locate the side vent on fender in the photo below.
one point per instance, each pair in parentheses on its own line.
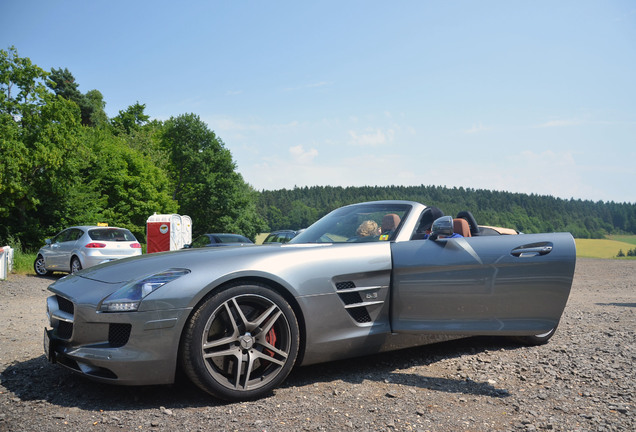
(358,300)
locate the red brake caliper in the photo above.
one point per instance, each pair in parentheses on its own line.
(270,337)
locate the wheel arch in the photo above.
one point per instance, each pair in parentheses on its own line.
(76,254)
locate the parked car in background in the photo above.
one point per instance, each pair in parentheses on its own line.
(281,236)
(215,240)
(80,247)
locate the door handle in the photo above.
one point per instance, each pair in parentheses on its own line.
(532,250)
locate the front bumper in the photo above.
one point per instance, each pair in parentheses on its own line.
(132,348)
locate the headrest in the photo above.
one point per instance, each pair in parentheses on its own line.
(428,217)
(460,226)
(390,222)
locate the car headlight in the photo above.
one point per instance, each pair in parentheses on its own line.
(128,297)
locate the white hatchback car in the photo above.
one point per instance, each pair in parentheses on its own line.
(80,247)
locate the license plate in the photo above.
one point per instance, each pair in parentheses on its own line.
(48,352)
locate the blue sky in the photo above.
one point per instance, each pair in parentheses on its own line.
(531,97)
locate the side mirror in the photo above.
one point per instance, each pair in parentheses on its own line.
(47,241)
(442,227)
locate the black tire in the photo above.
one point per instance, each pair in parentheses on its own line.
(241,342)
(39,267)
(76,265)
(539,339)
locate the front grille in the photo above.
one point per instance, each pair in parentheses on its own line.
(65,305)
(118,334)
(65,330)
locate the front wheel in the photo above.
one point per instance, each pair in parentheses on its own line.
(241,342)
(39,267)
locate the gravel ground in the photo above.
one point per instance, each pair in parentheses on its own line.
(583,380)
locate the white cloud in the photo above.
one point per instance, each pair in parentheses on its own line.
(302,156)
(373,138)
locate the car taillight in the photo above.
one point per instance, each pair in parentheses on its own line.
(135,246)
(95,245)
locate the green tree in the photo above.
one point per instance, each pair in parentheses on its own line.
(301,215)
(147,142)
(63,84)
(131,119)
(204,179)
(130,187)
(22,84)
(91,104)
(38,147)
(92,108)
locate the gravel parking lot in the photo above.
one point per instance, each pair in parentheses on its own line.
(583,380)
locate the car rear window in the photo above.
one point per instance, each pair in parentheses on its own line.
(232,239)
(111,234)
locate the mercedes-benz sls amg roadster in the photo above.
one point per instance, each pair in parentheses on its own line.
(363,279)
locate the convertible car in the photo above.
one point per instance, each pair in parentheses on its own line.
(365,278)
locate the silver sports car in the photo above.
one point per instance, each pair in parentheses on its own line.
(365,278)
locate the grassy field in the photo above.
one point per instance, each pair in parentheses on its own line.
(260,237)
(604,248)
(631,239)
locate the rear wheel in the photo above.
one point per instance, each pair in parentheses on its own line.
(76,265)
(241,343)
(39,267)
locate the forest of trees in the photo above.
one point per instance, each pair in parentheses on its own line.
(64,162)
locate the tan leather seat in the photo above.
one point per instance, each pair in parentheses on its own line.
(461,227)
(390,222)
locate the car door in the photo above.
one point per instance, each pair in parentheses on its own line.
(53,255)
(62,247)
(508,284)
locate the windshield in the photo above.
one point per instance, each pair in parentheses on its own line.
(357,223)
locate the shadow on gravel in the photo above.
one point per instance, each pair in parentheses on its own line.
(382,367)
(37,380)
(617,304)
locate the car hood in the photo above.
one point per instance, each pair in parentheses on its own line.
(285,264)
(93,283)
(120,271)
